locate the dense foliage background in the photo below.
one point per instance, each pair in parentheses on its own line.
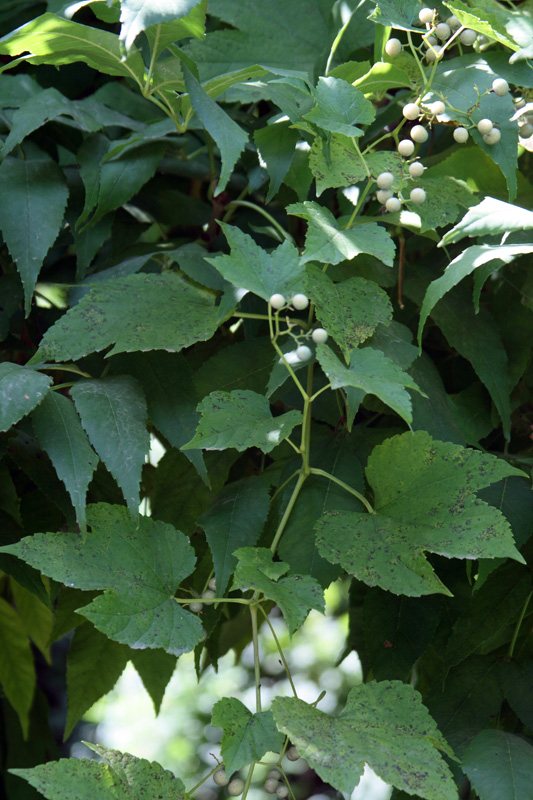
(292,243)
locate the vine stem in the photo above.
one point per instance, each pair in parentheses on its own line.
(201,783)
(360,202)
(257,665)
(362,498)
(417,59)
(290,505)
(280,650)
(519,625)
(247,204)
(184,601)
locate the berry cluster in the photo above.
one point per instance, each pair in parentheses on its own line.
(300,302)
(275,783)
(196,606)
(385,182)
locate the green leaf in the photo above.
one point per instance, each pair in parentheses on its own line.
(184,313)
(155,668)
(161,36)
(427,492)
(229,137)
(120,776)
(382,77)
(339,106)
(351,310)
(517,681)
(35,614)
(295,595)
(276,146)
(397,14)
(499,764)
(139,612)
(61,435)
(240,419)
(464,264)
(17,673)
(487,218)
(328,243)
(482,21)
(98,49)
(242,365)
(235,520)
(338,164)
(113,412)
(137,15)
(247,737)
(446,199)
(374,373)
(94,665)
(32,219)
(384,725)
(250,267)
(21,390)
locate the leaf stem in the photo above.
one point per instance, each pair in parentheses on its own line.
(257,664)
(148,80)
(284,484)
(336,42)
(519,625)
(358,151)
(266,215)
(280,650)
(63,368)
(290,505)
(417,59)
(201,783)
(360,202)
(186,600)
(362,498)
(291,372)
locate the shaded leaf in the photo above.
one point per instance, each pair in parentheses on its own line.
(339,106)
(139,565)
(155,668)
(499,764)
(517,682)
(276,145)
(21,390)
(137,15)
(17,673)
(247,737)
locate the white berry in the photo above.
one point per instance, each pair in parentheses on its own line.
(271,784)
(468,36)
(493,137)
(525,131)
(500,87)
(385,180)
(411,111)
(300,301)
(416,169)
(277,301)
(213,584)
(383,195)
(461,135)
(453,22)
(419,134)
(431,40)
(220,777)
(393,47)
(406,148)
(442,31)
(393,204)
(485,126)
(319,335)
(433,54)
(417,196)
(437,107)
(274,773)
(195,607)
(426,15)
(304,352)
(208,595)
(236,787)
(293,754)
(282,792)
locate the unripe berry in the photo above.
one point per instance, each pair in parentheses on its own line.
(274,773)
(406,148)
(304,352)
(277,301)
(293,754)
(431,40)
(282,792)
(460,135)
(299,302)
(417,196)
(411,111)
(525,131)
(195,607)
(383,195)
(220,777)
(385,180)
(442,31)
(500,87)
(433,54)
(271,784)
(236,787)
(393,47)
(213,584)
(453,22)
(208,595)
(419,134)
(493,137)
(393,204)
(468,37)
(485,126)
(319,335)
(426,15)
(437,107)
(416,169)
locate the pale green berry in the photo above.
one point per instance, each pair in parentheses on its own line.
(411,111)
(526,131)
(208,595)
(485,126)
(461,135)
(383,195)
(319,336)
(442,31)
(433,54)
(426,15)
(271,784)
(468,37)
(220,777)
(437,107)
(500,87)
(453,22)
(213,584)
(393,48)
(416,169)
(195,607)
(277,301)
(282,792)
(393,204)
(274,773)
(419,134)
(417,196)
(385,180)
(493,137)
(304,352)
(236,787)
(299,302)
(293,754)
(431,40)
(406,148)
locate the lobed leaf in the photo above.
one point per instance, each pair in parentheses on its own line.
(247,737)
